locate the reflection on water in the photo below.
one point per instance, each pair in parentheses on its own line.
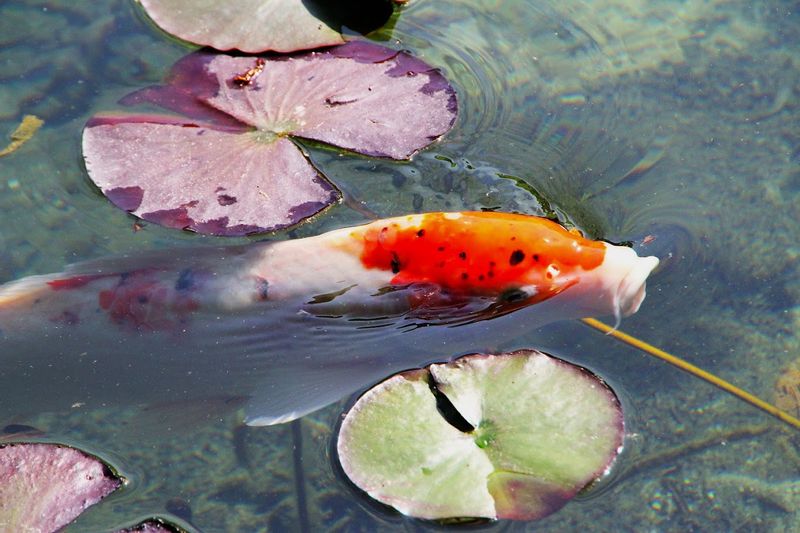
(669,124)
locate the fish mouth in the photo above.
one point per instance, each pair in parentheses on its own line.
(623,275)
(632,288)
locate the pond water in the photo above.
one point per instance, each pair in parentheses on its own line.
(670,124)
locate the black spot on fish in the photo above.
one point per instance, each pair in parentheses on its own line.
(463,255)
(464,275)
(480,277)
(67,317)
(516,258)
(536,257)
(395,263)
(421,233)
(185,280)
(441,248)
(262,288)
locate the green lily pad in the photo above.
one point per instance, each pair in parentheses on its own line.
(542,430)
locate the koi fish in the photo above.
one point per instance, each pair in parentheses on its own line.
(295,325)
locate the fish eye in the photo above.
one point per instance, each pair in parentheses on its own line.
(513,295)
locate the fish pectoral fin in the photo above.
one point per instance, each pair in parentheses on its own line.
(296,390)
(460,311)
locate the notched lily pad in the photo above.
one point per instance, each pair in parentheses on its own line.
(542,430)
(44,487)
(260,25)
(228,166)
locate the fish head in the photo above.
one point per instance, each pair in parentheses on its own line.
(577,277)
(513,259)
(617,286)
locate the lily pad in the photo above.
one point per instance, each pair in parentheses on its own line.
(44,487)
(257,25)
(228,166)
(487,436)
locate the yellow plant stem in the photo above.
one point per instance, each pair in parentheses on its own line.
(694,370)
(29,125)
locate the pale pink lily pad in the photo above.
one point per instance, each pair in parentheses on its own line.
(229,167)
(44,487)
(203,179)
(246,25)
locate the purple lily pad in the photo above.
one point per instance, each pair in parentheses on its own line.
(229,168)
(202,178)
(44,487)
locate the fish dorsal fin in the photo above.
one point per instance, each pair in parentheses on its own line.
(167,259)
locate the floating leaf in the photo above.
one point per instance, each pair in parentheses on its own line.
(43,487)
(541,430)
(27,128)
(228,167)
(203,179)
(261,25)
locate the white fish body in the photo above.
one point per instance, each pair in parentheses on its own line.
(295,325)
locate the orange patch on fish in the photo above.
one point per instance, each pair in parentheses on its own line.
(476,252)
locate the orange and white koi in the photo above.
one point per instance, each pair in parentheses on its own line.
(294,325)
